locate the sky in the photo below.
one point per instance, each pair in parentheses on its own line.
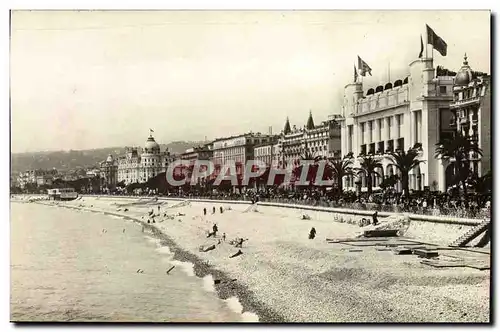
(92,79)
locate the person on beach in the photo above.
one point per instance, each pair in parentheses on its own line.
(239,243)
(158,209)
(215,229)
(224,237)
(312,233)
(213,210)
(236,254)
(154,220)
(375,219)
(204,211)
(221,210)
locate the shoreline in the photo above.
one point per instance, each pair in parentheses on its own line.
(201,269)
(311,281)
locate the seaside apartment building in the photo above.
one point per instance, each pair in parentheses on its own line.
(321,140)
(37,176)
(108,171)
(398,115)
(239,149)
(268,152)
(203,152)
(471,114)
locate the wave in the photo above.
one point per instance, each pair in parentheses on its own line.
(153,240)
(164,250)
(208,283)
(187,267)
(234,304)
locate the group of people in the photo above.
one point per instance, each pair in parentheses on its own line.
(473,205)
(221,209)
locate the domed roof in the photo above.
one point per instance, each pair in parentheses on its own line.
(464,75)
(110,159)
(151,144)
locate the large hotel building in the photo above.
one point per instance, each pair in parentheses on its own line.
(414,109)
(140,167)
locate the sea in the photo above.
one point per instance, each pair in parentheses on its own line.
(75,266)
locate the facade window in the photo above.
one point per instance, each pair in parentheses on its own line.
(442,89)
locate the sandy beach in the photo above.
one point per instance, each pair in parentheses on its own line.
(284,276)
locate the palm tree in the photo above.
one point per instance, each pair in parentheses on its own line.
(405,162)
(389,182)
(457,150)
(311,174)
(484,183)
(340,168)
(368,167)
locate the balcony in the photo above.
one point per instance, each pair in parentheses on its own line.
(463,120)
(464,102)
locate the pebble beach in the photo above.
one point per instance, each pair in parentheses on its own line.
(283,276)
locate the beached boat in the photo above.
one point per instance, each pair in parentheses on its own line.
(62,194)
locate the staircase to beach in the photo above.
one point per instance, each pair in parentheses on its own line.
(471,234)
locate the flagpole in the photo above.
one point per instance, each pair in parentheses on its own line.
(426,42)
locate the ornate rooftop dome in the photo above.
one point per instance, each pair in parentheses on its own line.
(464,75)
(151,145)
(110,159)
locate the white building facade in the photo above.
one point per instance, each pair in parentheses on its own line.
(139,168)
(398,116)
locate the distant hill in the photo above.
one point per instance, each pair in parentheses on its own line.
(74,159)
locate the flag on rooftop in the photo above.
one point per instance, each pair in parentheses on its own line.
(421,47)
(437,42)
(363,67)
(355,74)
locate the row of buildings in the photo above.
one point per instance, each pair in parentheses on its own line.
(47,177)
(37,177)
(424,107)
(138,165)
